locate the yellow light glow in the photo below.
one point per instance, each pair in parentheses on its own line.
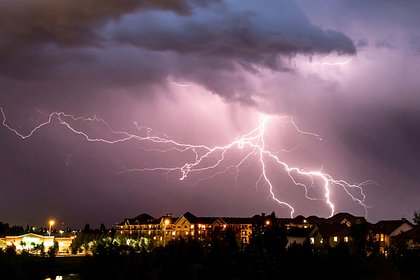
(267,222)
(51,222)
(167,222)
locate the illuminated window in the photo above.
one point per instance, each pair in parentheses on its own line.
(321,241)
(312,240)
(192,226)
(173,233)
(346,239)
(382,237)
(335,238)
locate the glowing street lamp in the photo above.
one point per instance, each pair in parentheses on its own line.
(166,223)
(50,223)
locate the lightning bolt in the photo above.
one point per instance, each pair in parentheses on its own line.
(205,158)
(337,62)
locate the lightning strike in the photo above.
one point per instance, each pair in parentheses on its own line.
(211,159)
(337,62)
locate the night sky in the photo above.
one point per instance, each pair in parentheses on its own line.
(203,72)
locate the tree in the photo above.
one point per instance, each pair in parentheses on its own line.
(416,218)
(53,250)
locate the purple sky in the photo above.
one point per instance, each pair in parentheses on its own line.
(202,72)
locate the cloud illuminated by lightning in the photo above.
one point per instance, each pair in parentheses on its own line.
(337,62)
(211,159)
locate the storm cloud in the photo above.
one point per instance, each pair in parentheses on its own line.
(202,72)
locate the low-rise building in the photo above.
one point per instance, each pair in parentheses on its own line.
(384,231)
(31,241)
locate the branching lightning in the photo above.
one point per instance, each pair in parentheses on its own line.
(211,159)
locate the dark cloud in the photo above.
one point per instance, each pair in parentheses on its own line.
(66,23)
(204,44)
(117,59)
(247,36)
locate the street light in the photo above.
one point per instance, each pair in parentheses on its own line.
(50,223)
(166,222)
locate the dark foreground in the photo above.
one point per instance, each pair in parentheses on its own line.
(219,259)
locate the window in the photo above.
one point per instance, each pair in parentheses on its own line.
(382,237)
(346,239)
(321,241)
(312,240)
(335,238)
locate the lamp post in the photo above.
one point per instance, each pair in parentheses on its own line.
(165,223)
(50,223)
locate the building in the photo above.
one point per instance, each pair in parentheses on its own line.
(301,235)
(32,241)
(384,231)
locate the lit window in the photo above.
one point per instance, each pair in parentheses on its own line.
(173,233)
(335,238)
(267,222)
(346,239)
(304,221)
(312,240)
(192,226)
(382,237)
(321,241)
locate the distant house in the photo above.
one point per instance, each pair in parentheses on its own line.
(191,225)
(300,235)
(145,225)
(384,231)
(3,244)
(30,240)
(346,218)
(241,226)
(333,234)
(411,237)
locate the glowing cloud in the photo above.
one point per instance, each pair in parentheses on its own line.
(211,159)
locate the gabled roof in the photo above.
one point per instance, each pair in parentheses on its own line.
(316,220)
(300,232)
(237,221)
(388,226)
(339,217)
(298,220)
(412,234)
(327,230)
(199,220)
(190,217)
(140,219)
(30,234)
